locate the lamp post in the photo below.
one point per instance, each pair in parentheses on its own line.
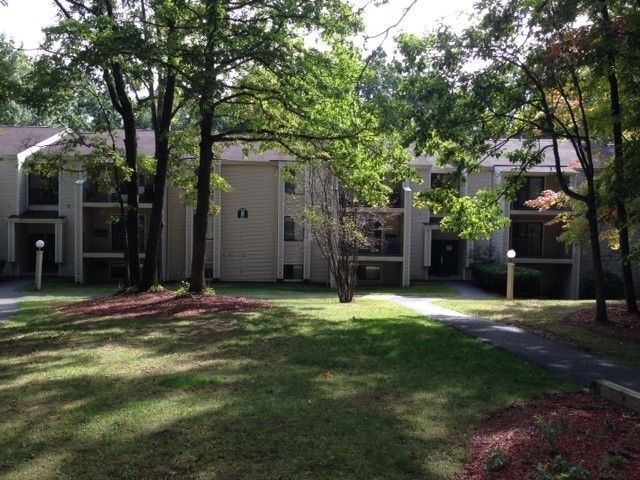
(511,270)
(38,280)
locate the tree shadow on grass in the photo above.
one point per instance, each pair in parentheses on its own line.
(282,394)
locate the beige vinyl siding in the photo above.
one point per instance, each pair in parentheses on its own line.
(248,250)
(319,270)
(176,224)
(66,199)
(478,180)
(8,182)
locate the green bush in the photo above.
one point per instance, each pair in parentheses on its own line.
(493,277)
(613,286)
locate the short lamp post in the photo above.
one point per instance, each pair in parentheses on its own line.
(511,271)
(38,280)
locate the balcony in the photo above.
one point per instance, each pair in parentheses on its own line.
(93,195)
(534,240)
(389,246)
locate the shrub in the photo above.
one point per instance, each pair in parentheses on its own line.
(493,277)
(183,290)
(496,460)
(613,286)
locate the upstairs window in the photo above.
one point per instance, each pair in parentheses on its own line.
(43,190)
(532,188)
(293,232)
(526,239)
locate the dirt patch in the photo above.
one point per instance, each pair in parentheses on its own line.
(582,436)
(623,326)
(144,305)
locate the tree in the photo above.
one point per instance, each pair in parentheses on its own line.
(243,62)
(528,84)
(133,50)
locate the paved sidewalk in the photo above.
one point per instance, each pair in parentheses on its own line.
(9,298)
(566,361)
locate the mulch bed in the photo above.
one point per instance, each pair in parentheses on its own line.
(165,304)
(623,326)
(557,432)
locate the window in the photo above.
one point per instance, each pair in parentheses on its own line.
(293,272)
(369,273)
(526,239)
(531,188)
(292,232)
(43,190)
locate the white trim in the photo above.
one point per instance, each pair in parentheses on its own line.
(35,220)
(112,205)
(106,255)
(406,236)
(426,256)
(378,258)
(78,231)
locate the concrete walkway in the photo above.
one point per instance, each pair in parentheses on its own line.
(9,298)
(554,355)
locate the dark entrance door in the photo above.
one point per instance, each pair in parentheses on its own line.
(48,256)
(444,258)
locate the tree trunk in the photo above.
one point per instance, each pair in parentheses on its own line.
(598,274)
(618,160)
(201,215)
(154,238)
(131,189)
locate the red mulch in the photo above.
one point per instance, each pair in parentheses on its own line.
(579,427)
(165,304)
(623,326)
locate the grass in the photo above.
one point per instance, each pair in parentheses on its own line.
(265,290)
(547,317)
(311,389)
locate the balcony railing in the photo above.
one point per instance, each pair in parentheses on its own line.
(388,246)
(94,195)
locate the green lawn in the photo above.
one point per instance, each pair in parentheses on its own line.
(547,317)
(267,290)
(311,389)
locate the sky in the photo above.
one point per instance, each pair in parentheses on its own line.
(22,20)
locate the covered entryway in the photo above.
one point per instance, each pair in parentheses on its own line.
(22,233)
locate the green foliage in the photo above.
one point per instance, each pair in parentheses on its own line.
(493,277)
(183,290)
(157,288)
(613,286)
(496,460)
(472,218)
(561,469)
(546,428)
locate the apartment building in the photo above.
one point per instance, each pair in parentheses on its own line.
(258,236)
